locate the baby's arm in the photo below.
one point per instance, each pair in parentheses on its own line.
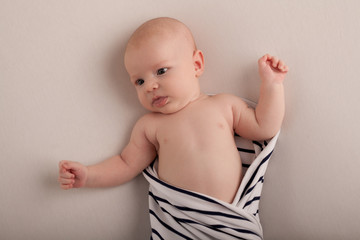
(136,156)
(265,121)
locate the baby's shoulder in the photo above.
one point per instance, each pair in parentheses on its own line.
(225,98)
(147,126)
(222,95)
(149,119)
(230,101)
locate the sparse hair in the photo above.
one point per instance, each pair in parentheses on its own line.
(162,26)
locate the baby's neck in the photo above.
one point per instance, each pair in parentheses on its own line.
(201,96)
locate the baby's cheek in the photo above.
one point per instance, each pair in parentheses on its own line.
(146,104)
(141,99)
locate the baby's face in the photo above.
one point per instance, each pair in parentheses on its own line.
(164,73)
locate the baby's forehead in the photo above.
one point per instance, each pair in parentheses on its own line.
(162,29)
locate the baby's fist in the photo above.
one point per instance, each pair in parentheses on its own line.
(272,69)
(72,175)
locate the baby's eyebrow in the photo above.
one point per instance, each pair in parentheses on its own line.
(160,64)
(134,77)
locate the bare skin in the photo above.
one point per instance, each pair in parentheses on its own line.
(191,133)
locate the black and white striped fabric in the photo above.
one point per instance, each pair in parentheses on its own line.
(177,213)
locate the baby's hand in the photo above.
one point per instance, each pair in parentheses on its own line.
(271,69)
(72,174)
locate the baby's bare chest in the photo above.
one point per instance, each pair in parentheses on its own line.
(196,126)
(194,146)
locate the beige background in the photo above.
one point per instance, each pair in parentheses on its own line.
(58,101)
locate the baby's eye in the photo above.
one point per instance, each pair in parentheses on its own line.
(161,71)
(139,82)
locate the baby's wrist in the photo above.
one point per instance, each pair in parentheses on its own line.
(272,86)
(86,177)
(271,81)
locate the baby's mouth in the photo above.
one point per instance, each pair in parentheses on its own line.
(159,101)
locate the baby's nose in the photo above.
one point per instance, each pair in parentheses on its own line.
(152,85)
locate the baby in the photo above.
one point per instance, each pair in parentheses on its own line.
(191,133)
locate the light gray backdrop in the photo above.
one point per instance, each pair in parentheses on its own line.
(59,100)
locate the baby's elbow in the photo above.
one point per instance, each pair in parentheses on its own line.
(269,128)
(270,133)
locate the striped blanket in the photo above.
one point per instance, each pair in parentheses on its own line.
(177,213)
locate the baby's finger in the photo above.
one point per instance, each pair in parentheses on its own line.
(66,186)
(262,62)
(66,180)
(284,68)
(275,62)
(281,66)
(263,59)
(266,57)
(62,165)
(66,174)
(71,166)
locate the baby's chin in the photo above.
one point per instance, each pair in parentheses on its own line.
(167,109)
(164,111)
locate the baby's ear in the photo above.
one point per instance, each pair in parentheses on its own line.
(198,59)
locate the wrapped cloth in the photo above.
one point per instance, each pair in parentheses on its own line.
(177,213)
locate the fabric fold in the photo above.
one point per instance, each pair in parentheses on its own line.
(177,213)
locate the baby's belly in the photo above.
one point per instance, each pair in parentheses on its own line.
(215,172)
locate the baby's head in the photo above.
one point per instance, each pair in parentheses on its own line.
(164,65)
